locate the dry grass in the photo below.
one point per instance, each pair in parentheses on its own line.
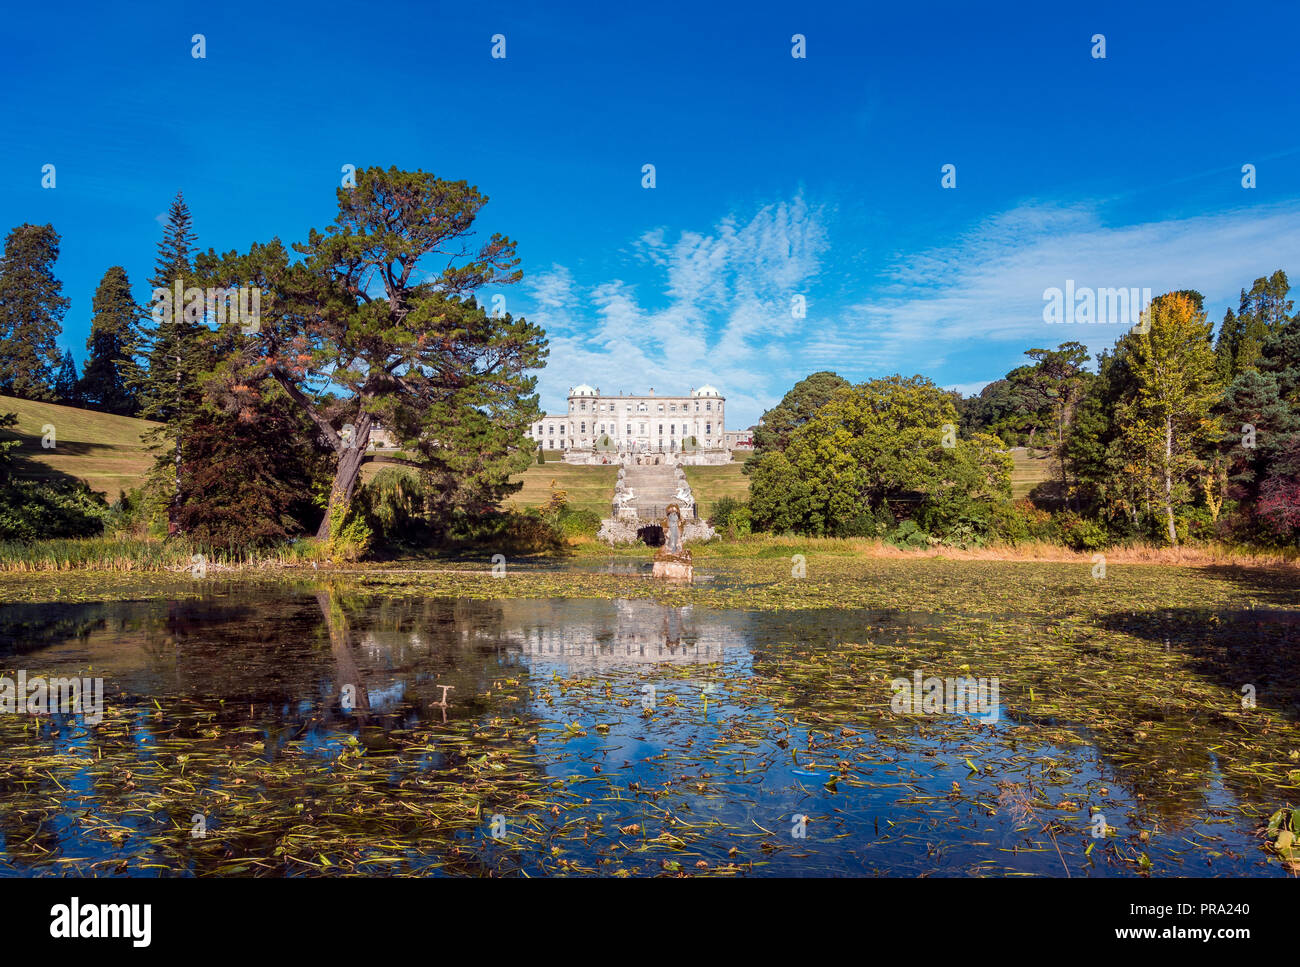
(1195,556)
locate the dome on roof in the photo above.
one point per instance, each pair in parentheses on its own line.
(582,390)
(706,391)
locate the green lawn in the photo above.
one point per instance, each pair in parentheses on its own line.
(1031,468)
(588,488)
(105,451)
(711,484)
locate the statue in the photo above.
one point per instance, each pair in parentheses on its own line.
(673,560)
(674,535)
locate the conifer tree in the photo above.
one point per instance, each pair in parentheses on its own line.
(31,312)
(170,390)
(111,378)
(66,389)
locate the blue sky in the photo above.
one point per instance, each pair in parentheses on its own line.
(775,176)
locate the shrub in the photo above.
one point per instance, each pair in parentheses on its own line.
(31,511)
(350,536)
(1195,524)
(1079,533)
(732,517)
(579,523)
(1019,522)
(908,534)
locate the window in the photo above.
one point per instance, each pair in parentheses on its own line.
(708,427)
(551,431)
(672,427)
(661,407)
(661,429)
(629,429)
(584,426)
(709,406)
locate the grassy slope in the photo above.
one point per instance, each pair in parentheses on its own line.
(589,488)
(592,488)
(711,484)
(1031,468)
(108,453)
(105,451)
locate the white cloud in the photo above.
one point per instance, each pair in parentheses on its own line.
(988,287)
(725,299)
(719,309)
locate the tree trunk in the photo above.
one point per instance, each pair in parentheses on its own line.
(351,453)
(174,509)
(1169,481)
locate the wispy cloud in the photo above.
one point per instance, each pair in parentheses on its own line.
(722,302)
(716,308)
(939,307)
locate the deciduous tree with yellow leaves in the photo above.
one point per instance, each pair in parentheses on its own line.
(1167,420)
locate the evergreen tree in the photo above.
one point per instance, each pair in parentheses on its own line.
(66,389)
(170,381)
(1262,311)
(111,379)
(170,390)
(251,464)
(1258,425)
(31,312)
(1225,350)
(423,358)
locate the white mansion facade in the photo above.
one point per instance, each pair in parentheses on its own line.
(635,424)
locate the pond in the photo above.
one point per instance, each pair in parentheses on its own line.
(330,729)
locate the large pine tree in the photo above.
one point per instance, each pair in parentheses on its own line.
(171,390)
(31,312)
(172,338)
(111,378)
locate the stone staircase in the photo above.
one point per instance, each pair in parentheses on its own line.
(654,489)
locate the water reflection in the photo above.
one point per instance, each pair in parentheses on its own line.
(584,637)
(707,725)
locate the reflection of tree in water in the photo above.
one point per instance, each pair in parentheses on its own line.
(236,680)
(25,628)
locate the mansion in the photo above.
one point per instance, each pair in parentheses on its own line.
(635,424)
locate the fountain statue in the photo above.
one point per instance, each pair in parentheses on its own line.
(673,560)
